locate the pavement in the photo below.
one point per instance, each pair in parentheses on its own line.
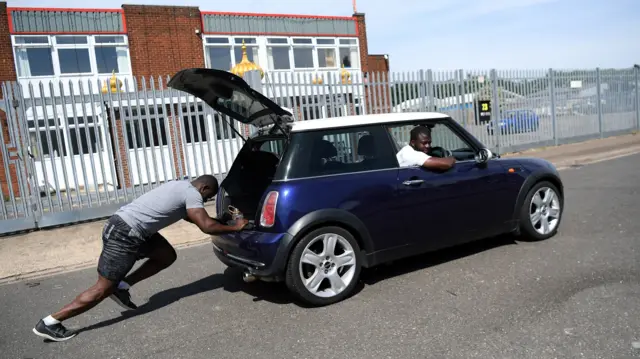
(576,295)
(59,250)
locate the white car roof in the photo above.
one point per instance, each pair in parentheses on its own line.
(360,120)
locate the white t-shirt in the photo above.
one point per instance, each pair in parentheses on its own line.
(408,157)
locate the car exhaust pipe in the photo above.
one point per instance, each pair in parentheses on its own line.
(248,277)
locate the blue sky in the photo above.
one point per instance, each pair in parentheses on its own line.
(468,34)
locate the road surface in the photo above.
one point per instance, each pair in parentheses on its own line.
(576,295)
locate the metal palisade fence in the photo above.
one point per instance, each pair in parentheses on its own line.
(78,150)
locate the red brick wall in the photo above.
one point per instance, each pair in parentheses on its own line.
(162,39)
(7,73)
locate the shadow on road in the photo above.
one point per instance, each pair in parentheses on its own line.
(231,280)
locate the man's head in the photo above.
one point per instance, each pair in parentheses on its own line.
(207,185)
(421,139)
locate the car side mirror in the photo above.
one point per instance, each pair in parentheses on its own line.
(483,156)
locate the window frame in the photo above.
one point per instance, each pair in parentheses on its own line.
(53,46)
(473,143)
(375,129)
(287,45)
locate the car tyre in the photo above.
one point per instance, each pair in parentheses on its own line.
(297,268)
(534,214)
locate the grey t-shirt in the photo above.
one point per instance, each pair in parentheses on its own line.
(161,207)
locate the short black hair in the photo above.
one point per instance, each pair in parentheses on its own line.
(208,180)
(420,130)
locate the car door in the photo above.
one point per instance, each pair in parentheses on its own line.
(454,206)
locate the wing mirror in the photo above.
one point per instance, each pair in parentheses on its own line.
(483,156)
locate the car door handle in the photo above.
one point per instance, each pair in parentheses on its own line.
(413,182)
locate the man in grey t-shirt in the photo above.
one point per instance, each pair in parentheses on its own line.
(132,234)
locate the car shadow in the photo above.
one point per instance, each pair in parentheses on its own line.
(431,259)
(277,293)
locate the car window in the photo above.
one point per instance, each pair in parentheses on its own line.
(442,136)
(337,151)
(275,146)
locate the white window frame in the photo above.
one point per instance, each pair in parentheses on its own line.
(54,46)
(15,46)
(124,44)
(311,45)
(336,53)
(57,47)
(263,45)
(206,46)
(249,46)
(286,45)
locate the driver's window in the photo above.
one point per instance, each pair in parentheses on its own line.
(442,138)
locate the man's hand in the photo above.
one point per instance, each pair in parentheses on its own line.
(200,218)
(240,224)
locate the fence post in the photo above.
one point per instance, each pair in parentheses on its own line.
(599,99)
(421,90)
(552,94)
(495,108)
(430,91)
(637,74)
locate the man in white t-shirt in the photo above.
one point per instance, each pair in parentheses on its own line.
(415,153)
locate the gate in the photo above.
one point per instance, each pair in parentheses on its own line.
(19,210)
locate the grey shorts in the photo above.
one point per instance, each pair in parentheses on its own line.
(122,246)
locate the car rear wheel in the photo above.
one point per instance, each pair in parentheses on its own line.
(324,266)
(541,212)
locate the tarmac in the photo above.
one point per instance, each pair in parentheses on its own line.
(52,251)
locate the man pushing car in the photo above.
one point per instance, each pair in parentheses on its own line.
(132,234)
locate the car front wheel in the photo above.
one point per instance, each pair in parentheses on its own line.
(324,266)
(541,212)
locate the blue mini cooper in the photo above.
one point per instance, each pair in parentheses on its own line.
(327,197)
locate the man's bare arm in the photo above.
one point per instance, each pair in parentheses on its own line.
(436,163)
(200,218)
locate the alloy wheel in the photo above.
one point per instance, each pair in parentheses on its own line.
(544,210)
(327,265)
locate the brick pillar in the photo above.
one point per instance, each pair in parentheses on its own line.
(117,127)
(162,39)
(7,73)
(361,27)
(177,148)
(379,67)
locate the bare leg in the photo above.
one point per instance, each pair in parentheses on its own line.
(87,299)
(161,256)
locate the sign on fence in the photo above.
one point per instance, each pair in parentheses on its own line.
(484,111)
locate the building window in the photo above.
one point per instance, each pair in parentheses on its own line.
(218,52)
(278,54)
(326,51)
(33,56)
(303,53)
(85,135)
(349,54)
(111,54)
(54,55)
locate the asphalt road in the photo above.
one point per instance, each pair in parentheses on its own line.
(576,295)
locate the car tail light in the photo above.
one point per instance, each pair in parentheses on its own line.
(268,215)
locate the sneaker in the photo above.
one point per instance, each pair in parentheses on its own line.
(123,298)
(55,332)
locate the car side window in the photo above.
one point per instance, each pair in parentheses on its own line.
(340,151)
(442,138)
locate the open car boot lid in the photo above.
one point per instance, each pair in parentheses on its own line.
(231,95)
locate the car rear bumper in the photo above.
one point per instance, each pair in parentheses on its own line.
(260,253)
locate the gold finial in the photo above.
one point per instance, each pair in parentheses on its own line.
(114,84)
(245,65)
(345,75)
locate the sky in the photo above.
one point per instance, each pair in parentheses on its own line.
(461,34)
